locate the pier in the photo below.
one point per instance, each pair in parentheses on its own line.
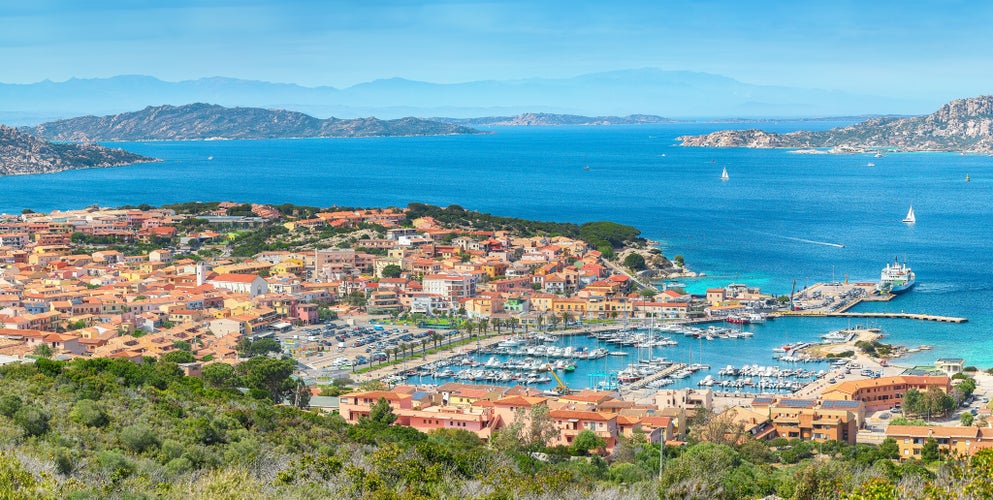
(669,370)
(884,315)
(835,300)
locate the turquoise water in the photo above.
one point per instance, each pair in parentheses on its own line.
(771,223)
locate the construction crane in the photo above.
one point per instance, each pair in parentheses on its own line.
(792,307)
(561,388)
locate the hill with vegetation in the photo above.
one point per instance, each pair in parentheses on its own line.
(963,125)
(601,235)
(22,154)
(113,428)
(200,121)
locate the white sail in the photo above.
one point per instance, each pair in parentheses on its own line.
(724,174)
(910,218)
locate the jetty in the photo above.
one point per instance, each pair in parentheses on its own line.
(836,300)
(882,315)
(669,370)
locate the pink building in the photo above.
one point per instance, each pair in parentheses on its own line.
(473,419)
(354,405)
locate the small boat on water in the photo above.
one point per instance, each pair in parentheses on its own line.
(910,218)
(724,174)
(617,353)
(870,164)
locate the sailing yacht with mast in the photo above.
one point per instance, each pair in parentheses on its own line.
(910,218)
(724,174)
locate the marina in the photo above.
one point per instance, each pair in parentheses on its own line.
(676,356)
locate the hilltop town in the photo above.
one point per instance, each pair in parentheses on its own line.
(134,282)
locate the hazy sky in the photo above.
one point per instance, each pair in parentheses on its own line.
(891,48)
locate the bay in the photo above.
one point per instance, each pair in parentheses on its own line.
(780,217)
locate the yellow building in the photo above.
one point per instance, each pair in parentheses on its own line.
(288,266)
(810,420)
(963,441)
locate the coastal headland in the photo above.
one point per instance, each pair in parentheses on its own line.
(962,125)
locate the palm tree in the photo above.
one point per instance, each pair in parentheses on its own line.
(554,320)
(540,320)
(498,324)
(513,323)
(566,318)
(424,347)
(436,338)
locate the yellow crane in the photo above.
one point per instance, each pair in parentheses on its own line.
(561,388)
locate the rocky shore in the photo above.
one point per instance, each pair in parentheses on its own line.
(963,125)
(23,154)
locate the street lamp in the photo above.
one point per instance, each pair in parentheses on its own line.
(661,452)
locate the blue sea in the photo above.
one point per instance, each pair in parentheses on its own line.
(780,217)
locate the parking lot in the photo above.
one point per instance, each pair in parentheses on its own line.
(334,349)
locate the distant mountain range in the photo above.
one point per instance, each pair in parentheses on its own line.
(681,94)
(21,154)
(208,121)
(964,125)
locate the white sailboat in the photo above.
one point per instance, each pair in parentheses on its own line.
(724,174)
(910,218)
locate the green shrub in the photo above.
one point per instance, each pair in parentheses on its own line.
(33,420)
(138,438)
(89,413)
(115,463)
(9,404)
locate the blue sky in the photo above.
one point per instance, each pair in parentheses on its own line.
(889,48)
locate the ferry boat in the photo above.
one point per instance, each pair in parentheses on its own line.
(896,278)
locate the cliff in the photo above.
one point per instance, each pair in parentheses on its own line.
(964,125)
(21,154)
(206,121)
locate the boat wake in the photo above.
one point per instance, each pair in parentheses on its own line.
(802,240)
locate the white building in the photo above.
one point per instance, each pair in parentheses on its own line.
(450,286)
(251,284)
(428,303)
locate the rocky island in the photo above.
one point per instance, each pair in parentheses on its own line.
(22,154)
(199,121)
(962,125)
